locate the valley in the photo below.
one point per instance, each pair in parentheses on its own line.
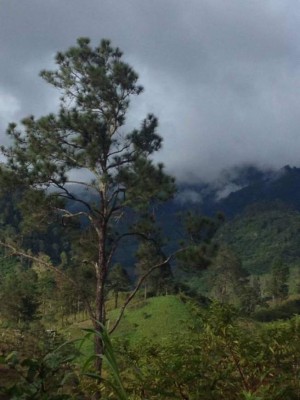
(200,310)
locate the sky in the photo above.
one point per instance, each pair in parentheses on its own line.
(223,77)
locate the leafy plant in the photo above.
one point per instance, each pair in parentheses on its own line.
(114,382)
(50,377)
(227,358)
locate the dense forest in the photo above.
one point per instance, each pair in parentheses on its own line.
(111,285)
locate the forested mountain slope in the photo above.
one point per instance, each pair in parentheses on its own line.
(242,187)
(263,232)
(284,185)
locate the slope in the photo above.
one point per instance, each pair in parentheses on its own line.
(263,232)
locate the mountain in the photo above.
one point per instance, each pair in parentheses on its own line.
(241,187)
(234,191)
(260,206)
(263,232)
(283,185)
(262,212)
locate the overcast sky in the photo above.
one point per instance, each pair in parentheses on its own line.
(222,76)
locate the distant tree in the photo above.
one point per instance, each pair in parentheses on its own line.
(229,280)
(278,284)
(47,287)
(150,252)
(19,297)
(118,281)
(161,280)
(88,135)
(297,288)
(250,296)
(199,232)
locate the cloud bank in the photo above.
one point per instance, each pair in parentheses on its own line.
(223,77)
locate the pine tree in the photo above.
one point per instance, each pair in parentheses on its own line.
(278,284)
(86,145)
(150,252)
(118,281)
(230,280)
(198,243)
(19,297)
(160,281)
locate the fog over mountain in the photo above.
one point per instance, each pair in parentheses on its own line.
(223,77)
(243,188)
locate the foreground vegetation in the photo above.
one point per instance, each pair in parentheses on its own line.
(212,353)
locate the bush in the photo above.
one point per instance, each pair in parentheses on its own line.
(45,375)
(284,311)
(228,359)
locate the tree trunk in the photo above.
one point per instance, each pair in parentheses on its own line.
(116,298)
(98,363)
(101,273)
(98,326)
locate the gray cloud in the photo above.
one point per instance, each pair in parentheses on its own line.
(189,196)
(223,77)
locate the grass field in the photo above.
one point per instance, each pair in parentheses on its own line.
(154,319)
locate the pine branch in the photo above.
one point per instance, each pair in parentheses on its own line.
(71,196)
(128,234)
(69,214)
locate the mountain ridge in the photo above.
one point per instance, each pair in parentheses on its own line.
(251,185)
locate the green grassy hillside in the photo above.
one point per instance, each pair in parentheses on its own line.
(153,319)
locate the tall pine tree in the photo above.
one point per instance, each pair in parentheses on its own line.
(85,145)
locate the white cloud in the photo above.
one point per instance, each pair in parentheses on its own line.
(9,108)
(189,196)
(226,190)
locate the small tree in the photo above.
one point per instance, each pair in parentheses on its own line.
(199,231)
(87,138)
(118,281)
(19,297)
(160,281)
(150,252)
(230,280)
(278,284)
